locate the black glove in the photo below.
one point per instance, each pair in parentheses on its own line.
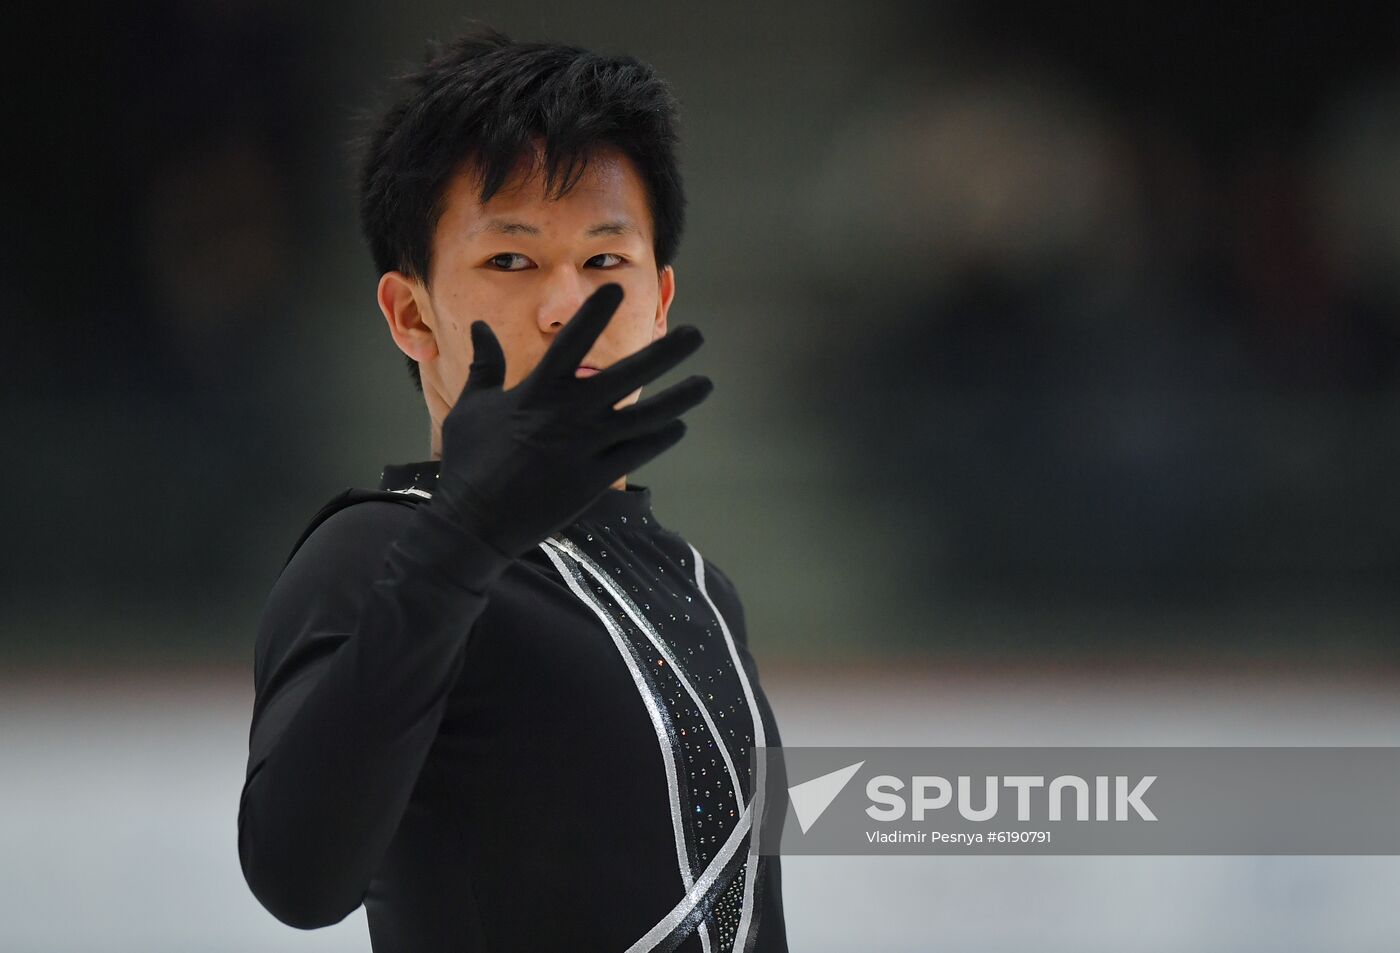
(518,465)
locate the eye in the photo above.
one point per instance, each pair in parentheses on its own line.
(510,261)
(616,259)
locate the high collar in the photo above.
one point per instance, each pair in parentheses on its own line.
(631,504)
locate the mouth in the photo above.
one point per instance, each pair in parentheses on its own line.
(585,370)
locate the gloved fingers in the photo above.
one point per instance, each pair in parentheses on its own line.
(488,367)
(616,381)
(622,458)
(570,345)
(649,414)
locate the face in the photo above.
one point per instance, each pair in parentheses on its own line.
(523,263)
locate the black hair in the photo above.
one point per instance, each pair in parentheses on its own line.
(483,99)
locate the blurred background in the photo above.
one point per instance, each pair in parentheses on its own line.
(1057,364)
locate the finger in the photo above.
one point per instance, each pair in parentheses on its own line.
(572,343)
(647,415)
(618,380)
(623,458)
(488,367)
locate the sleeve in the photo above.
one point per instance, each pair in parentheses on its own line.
(359,644)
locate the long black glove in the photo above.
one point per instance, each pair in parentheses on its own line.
(520,464)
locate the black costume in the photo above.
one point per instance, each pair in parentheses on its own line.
(555,760)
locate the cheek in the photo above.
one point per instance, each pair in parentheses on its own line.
(632,330)
(522,346)
(639,315)
(454,345)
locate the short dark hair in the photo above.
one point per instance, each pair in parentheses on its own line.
(483,99)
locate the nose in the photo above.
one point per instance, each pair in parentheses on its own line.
(565,290)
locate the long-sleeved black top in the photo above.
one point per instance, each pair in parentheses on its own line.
(540,754)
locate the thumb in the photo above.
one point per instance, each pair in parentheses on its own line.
(488,368)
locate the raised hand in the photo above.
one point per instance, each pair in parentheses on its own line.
(520,464)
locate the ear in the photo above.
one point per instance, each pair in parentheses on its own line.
(666,293)
(404,302)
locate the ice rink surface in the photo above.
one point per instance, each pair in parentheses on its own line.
(119,802)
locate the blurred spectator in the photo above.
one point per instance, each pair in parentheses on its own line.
(1104,351)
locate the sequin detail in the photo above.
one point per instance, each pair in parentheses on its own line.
(709,756)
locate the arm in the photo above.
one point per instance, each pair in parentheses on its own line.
(361,644)
(361,640)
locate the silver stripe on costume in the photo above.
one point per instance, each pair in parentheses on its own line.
(746,919)
(698,892)
(643,623)
(663,736)
(415,491)
(564,545)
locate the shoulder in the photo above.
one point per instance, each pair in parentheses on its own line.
(715,577)
(715,583)
(340,550)
(356,517)
(707,574)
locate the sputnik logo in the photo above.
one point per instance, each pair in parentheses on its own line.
(810,799)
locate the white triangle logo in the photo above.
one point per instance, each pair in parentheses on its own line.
(811,798)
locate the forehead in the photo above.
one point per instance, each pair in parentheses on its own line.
(609,191)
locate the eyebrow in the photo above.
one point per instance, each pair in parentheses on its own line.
(504,227)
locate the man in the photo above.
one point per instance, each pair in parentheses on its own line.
(498,703)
